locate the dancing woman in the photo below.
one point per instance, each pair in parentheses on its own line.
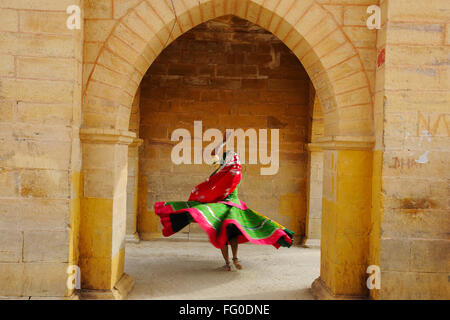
(215,206)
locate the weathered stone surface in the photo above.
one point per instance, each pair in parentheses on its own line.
(11,241)
(45,279)
(413,285)
(391,83)
(414,228)
(45,246)
(12,279)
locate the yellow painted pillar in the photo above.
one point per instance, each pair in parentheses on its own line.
(346,210)
(314,211)
(132,190)
(103,207)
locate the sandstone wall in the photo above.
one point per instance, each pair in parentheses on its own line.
(413,94)
(40,110)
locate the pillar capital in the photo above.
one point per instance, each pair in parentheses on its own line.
(342,143)
(107,136)
(136,142)
(314,147)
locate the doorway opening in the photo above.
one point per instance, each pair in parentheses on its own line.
(227,73)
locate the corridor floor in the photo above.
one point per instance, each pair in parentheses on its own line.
(167,269)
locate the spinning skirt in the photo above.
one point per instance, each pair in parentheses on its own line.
(222,221)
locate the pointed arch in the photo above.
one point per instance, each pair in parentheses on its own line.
(309,30)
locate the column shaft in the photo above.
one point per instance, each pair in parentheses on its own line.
(103,207)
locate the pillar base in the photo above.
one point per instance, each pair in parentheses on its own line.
(312,243)
(120,291)
(132,238)
(320,291)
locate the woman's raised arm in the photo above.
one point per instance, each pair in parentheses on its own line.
(222,144)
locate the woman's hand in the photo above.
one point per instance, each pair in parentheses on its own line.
(225,139)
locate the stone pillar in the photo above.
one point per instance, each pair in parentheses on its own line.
(103,208)
(132,190)
(346,209)
(314,210)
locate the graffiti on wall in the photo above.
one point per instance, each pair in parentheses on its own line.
(433,124)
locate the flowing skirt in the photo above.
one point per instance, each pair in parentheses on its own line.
(217,218)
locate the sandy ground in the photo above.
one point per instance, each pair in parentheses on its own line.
(165,269)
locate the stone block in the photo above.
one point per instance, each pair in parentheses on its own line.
(51,113)
(98,30)
(12,279)
(99,9)
(314,228)
(337,11)
(45,279)
(44,22)
(43,214)
(361,37)
(9,183)
(7,65)
(45,68)
(44,184)
(46,246)
(430,255)
(404,10)
(37,90)
(415,33)
(355,15)
(7,109)
(37,4)
(11,250)
(36,44)
(9,19)
(413,77)
(395,254)
(413,285)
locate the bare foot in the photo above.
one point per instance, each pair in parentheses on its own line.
(237,264)
(227,267)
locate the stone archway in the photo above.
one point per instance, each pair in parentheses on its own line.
(310,31)
(342,86)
